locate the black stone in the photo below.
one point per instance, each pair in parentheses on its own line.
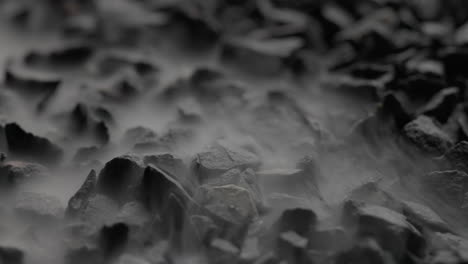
(113,239)
(9,255)
(30,147)
(119,176)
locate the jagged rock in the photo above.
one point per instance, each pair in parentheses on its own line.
(427,136)
(80,200)
(421,215)
(246,179)
(457,156)
(449,186)
(442,105)
(27,146)
(119,176)
(9,255)
(389,228)
(157,187)
(13,173)
(221,158)
(38,207)
(231,203)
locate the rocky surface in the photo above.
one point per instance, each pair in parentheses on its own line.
(244,132)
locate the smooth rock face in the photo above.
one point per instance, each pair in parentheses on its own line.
(119,175)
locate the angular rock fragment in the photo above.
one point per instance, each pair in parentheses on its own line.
(449,186)
(27,146)
(457,156)
(38,207)
(156,188)
(421,215)
(246,179)
(231,203)
(221,158)
(120,176)
(427,136)
(79,201)
(389,228)
(173,166)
